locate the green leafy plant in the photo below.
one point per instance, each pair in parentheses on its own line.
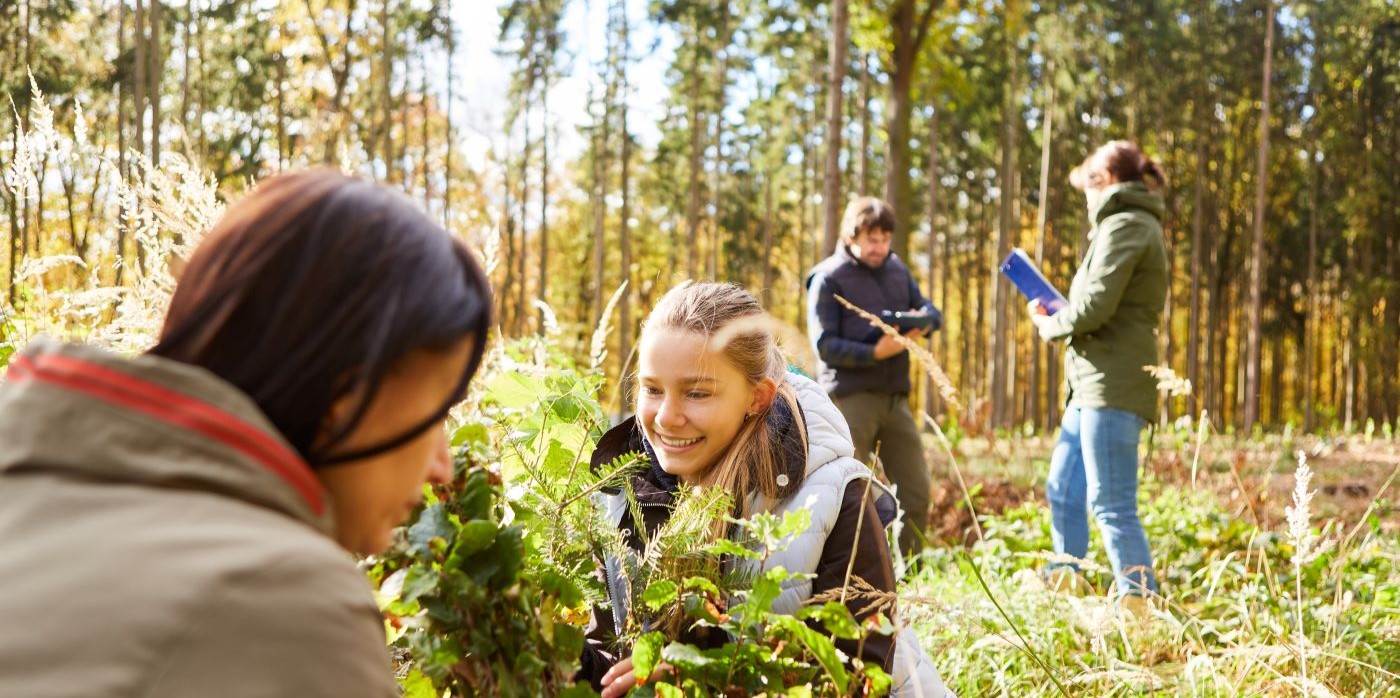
(459,596)
(766,653)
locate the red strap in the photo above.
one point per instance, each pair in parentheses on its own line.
(174,408)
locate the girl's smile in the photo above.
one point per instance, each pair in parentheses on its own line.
(693,401)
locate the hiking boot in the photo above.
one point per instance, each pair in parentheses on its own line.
(1134,607)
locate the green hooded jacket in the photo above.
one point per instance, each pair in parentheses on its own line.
(1115,305)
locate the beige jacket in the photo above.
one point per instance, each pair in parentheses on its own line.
(159,538)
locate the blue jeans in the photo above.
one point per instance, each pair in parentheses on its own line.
(1095,467)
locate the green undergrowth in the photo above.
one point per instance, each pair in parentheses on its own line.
(1227,623)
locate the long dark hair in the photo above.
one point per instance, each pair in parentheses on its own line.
(310,289)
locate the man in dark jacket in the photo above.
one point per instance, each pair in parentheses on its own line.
(865,371)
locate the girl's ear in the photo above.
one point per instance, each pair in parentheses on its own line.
(763,393)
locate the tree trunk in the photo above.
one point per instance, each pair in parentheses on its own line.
(1002,336)
(201,92)
(910,30)
(139,78)
(425,134)
(521,258)
(1041,214)
(1256,270)
(377,145)
(717,175)
(625,225)
(16,241)
(449,136)
(1311,321)
(804,232)
(932,403)
(282,149)
(122,171)
(544,192)
(399,151)
(1193,320)
(157,72)
(836,76)
(340,75)
(185,74)
(600,188)
(864,182)
(897,153)
(692,208)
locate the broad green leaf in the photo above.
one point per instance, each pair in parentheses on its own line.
(420,581)
(417,685)
(474,537)
(659,594)
(561,587)
(434,522)
(724,546)
(819,645)
(578,690)
(471,432)
(646,653)
(510,551)
(793,523)
(833,616)
(391,588)
(880,682)
(700,584)
(514,389)
(698,608)
(666,690)
(566,408)
(684,656)
(571,437)
(559,461)
(765,591)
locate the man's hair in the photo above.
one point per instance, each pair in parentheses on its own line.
(866,213)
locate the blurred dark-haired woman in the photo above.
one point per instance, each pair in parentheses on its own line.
(179,523)
(1110,326)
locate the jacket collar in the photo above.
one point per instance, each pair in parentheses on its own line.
(1126,196)
(843,251)
(151,421)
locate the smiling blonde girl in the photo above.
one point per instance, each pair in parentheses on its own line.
(716,408)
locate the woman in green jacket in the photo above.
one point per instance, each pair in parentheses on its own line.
(1110,328)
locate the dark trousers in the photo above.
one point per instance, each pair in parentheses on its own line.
(885,419)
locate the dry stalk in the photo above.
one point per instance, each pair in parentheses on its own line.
(957,472)
(598,347)
(924,356)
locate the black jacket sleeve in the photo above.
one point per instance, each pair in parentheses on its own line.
(873,563)
(599,653)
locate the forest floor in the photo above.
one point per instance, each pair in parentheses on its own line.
(1253,479)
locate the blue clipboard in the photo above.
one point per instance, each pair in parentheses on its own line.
(1019,268)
